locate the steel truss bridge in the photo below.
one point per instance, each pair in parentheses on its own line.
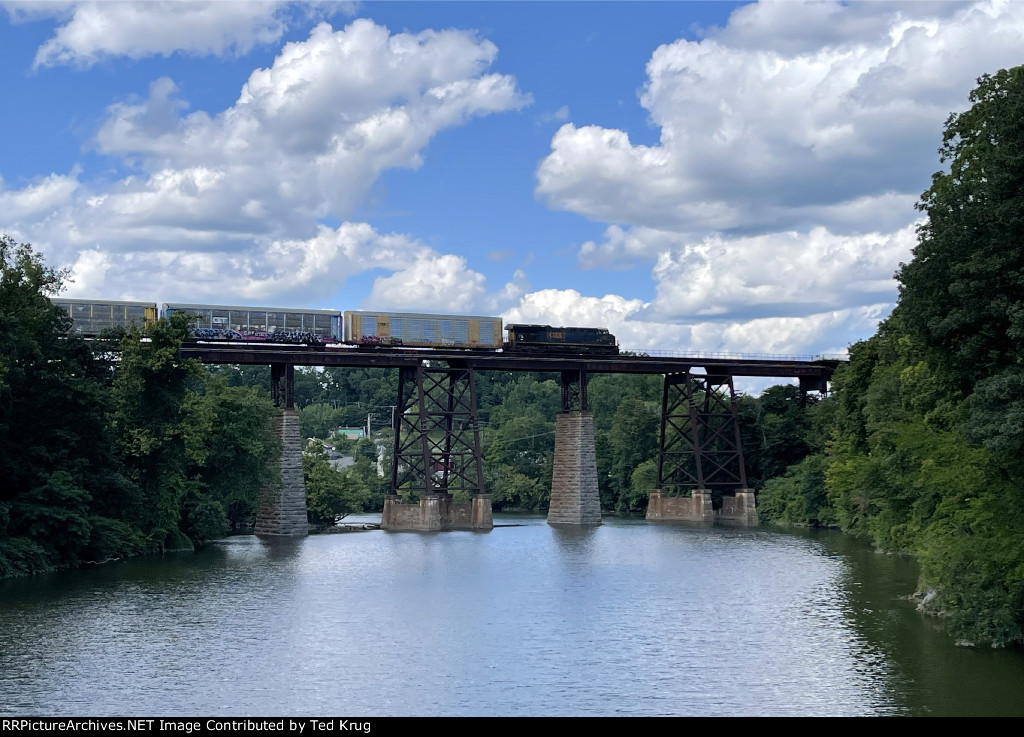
(437,443)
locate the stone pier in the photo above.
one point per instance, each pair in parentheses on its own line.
(574,494)
(437,512)
(283,503)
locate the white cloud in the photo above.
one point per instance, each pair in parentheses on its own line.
(828,332)
(233,198)
(442,283)
(779,199)
(624,247)
(432,283)
(293,272)
(94,31)
(778,274)
(38,198)
(787,116)
(306,138)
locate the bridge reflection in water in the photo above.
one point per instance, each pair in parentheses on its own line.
(437,452)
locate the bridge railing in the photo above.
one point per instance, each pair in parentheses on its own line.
(726,355)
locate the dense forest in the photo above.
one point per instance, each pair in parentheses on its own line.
(115,447)
(920,446)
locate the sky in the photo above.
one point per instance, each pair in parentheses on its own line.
(696,177)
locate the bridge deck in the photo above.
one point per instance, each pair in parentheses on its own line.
(396,358)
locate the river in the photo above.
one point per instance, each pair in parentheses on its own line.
(627,619)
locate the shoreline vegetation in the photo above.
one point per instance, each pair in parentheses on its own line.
(116,447)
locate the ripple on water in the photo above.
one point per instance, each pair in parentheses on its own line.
(623,619)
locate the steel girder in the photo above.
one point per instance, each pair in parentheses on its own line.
(700,444)
(282,385)
(574,391)
(437,437)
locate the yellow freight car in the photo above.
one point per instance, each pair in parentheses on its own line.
(90,317)
(422,331)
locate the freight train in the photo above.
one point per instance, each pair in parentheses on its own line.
(234,324)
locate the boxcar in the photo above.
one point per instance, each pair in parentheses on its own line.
(261,324)
(426,331)
(548,339)
(90,317)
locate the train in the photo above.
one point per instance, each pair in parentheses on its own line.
(367,329)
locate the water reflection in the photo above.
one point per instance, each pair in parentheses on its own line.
(624,618)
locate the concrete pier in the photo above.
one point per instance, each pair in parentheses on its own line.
(738,509)
(574,493)
(694,508)
(437,512)
(283,503)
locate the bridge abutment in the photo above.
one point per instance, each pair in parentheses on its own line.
(574,492)
(283,501)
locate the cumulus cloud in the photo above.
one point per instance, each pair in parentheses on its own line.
(306,137)
(293,270)
(785,116)
(38,198)
(778,274)
(93,31)
(779,199)
(296,272)
(442,283)
(239,192)
(816,333)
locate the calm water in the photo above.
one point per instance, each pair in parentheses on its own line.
(625,619)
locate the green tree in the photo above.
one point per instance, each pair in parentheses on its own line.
(56,457)
(319,420)
(150,424)
(963,291)
(330,494)
(924,447)
(230,452)
(632,440)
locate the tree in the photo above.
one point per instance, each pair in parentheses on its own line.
(319,420)
(150,424)
(963,292)
(230,452)
(924,453)
(55,454)
(330,494)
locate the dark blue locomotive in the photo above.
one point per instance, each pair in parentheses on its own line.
(549,339)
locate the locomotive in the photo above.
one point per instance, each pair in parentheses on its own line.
(548,339)
(237,324)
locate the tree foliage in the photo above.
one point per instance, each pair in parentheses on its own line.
(111,447)
(925,423)
(331,494)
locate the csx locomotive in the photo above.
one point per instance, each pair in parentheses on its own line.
(238,324)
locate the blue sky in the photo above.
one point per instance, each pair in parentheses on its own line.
(694,176)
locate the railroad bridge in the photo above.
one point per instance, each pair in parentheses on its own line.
(437,444)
